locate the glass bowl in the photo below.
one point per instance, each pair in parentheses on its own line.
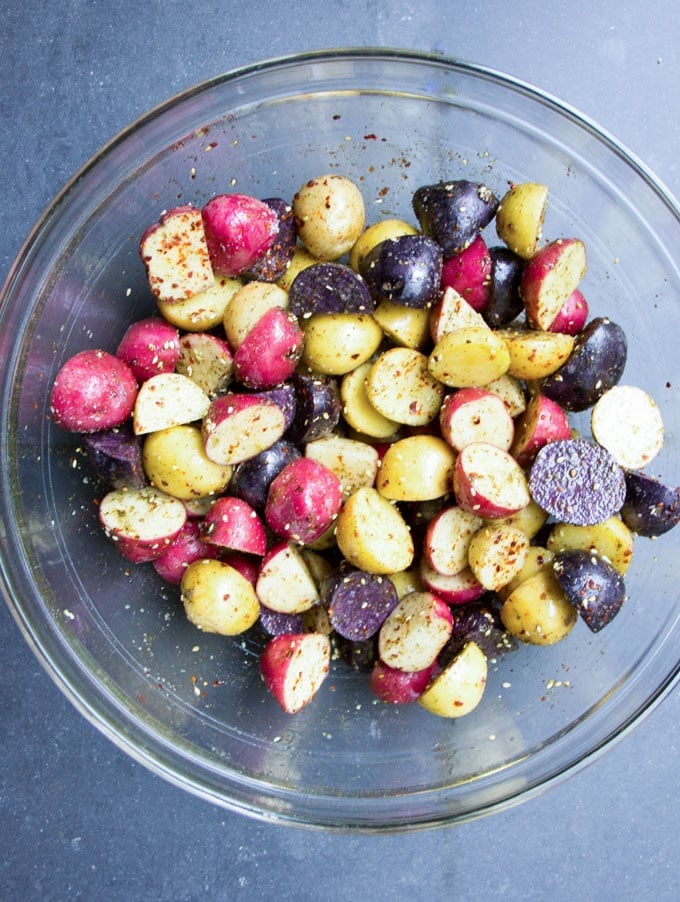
(191,706)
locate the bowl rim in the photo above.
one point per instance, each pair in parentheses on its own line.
(103,720)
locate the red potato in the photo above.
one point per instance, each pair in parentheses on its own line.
(398,687)
(469,273)
(93,391)
(415,632)
(488,482)
(150,346)
(142,522)
(207,360)
(232,523)
(175,255)
(543,421)
(294,666)
(303,500)
(452,312)
(239,426)
(475,415)
(572,315)
(285,582)
(447,540)
(269,353)
(245,564)
(550,277)
(239,230)
(167,400)
(462,588)
(187,547)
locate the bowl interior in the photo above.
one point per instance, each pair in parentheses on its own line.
(192,706)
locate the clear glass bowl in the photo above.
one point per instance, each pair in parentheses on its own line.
(191,706)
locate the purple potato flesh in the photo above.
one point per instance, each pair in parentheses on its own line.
(329,288)
(359,602)
(577,481)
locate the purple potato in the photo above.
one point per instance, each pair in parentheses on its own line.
(505,303)
(594,366)
(651,508)
(329,288)
(577,481)
(359,655)
(251,478)
(276,623)
(358,603)
(116,457)
(276,260)
(454,213)
(479,622)
(317,408)
(406,270)
(591,584)
(283,395)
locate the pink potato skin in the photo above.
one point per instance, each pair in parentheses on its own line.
(536,272)
(573,315)
(271,350)
(238,229)
(397,687)
(454,402)
(187,547)
(462,588)
(150,346)
(278,664)
(469,273)
(232,523)
(303,500)
(543,421)
(94,390)
(472,500)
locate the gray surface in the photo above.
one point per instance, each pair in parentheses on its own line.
(78,818)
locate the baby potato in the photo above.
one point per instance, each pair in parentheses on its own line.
(537,612)
(401,388)
(248,306)
(336,343)
(329,214)
(372,534)
(406,326)
(358,410)
(471,356)
(300,260)
(203,311)
(535,354)
(175,461)
(459,687)
(375,234)
(519,217)
(496,554)
(611,539)
(218,599)
(416,468)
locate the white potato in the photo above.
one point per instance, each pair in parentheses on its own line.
(496,554)
(459,687)
(203,311)
(415,632)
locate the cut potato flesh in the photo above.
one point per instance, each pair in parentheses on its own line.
(166,400)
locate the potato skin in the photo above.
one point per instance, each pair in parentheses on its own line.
(592,585)
(93,390)
(329,215)
(218,599)
(537,612)
(454,212)
(650,507)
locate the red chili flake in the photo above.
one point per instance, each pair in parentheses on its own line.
(337,116)
(370,137)
(141,698)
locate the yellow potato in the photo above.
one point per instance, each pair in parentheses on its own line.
(519,217)
(416,468)
(372,534)
(336,343)
(471,356)
(218,599)
(496,554)
(459,688)
(406,326)
(175,461)
(203,311)
(329,214)
(358,410)
(537,612)
(537,559)
(400,387)
(247,306)
(611,539)
(301,260)
(529,519)
(535,354)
